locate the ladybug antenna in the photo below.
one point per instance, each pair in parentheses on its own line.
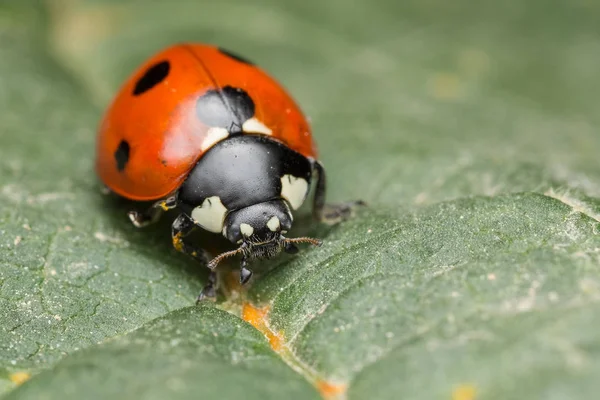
(304,239)
(290,247)
(287,244)
(215,261)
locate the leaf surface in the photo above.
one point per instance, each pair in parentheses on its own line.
(471,131)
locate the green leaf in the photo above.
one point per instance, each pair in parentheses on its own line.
(469,128)
(191,353)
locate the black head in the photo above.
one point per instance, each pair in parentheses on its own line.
(259,230)
(258,223)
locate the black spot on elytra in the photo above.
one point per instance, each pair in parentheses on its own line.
(227,108)
(236,57)
(153,76)
(122,155)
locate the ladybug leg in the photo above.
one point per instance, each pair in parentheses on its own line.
(151,215)
(330,213)
(245,273)
(209,291)
(183,226)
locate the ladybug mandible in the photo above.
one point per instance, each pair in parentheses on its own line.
(204,130)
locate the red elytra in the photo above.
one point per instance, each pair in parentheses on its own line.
(151,136)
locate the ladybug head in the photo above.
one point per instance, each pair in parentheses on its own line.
(258,223)
(259,230)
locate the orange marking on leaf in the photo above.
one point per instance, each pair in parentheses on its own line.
(331,390)
(464,392)
(257,317)
(19,377)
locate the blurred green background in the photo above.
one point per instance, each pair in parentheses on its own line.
(470,128)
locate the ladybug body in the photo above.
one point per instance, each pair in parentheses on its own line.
(203,130)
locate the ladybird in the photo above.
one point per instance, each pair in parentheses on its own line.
(206,131)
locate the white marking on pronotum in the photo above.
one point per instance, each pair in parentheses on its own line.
(273,223)
(294,190)
(253,125)
(210,215)
(246,230)
(214,135)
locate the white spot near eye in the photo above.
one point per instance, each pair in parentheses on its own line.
(273,224)
(225,230)
(214,135)
(255,126)
(210,215)
(246,230)
(294,190)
